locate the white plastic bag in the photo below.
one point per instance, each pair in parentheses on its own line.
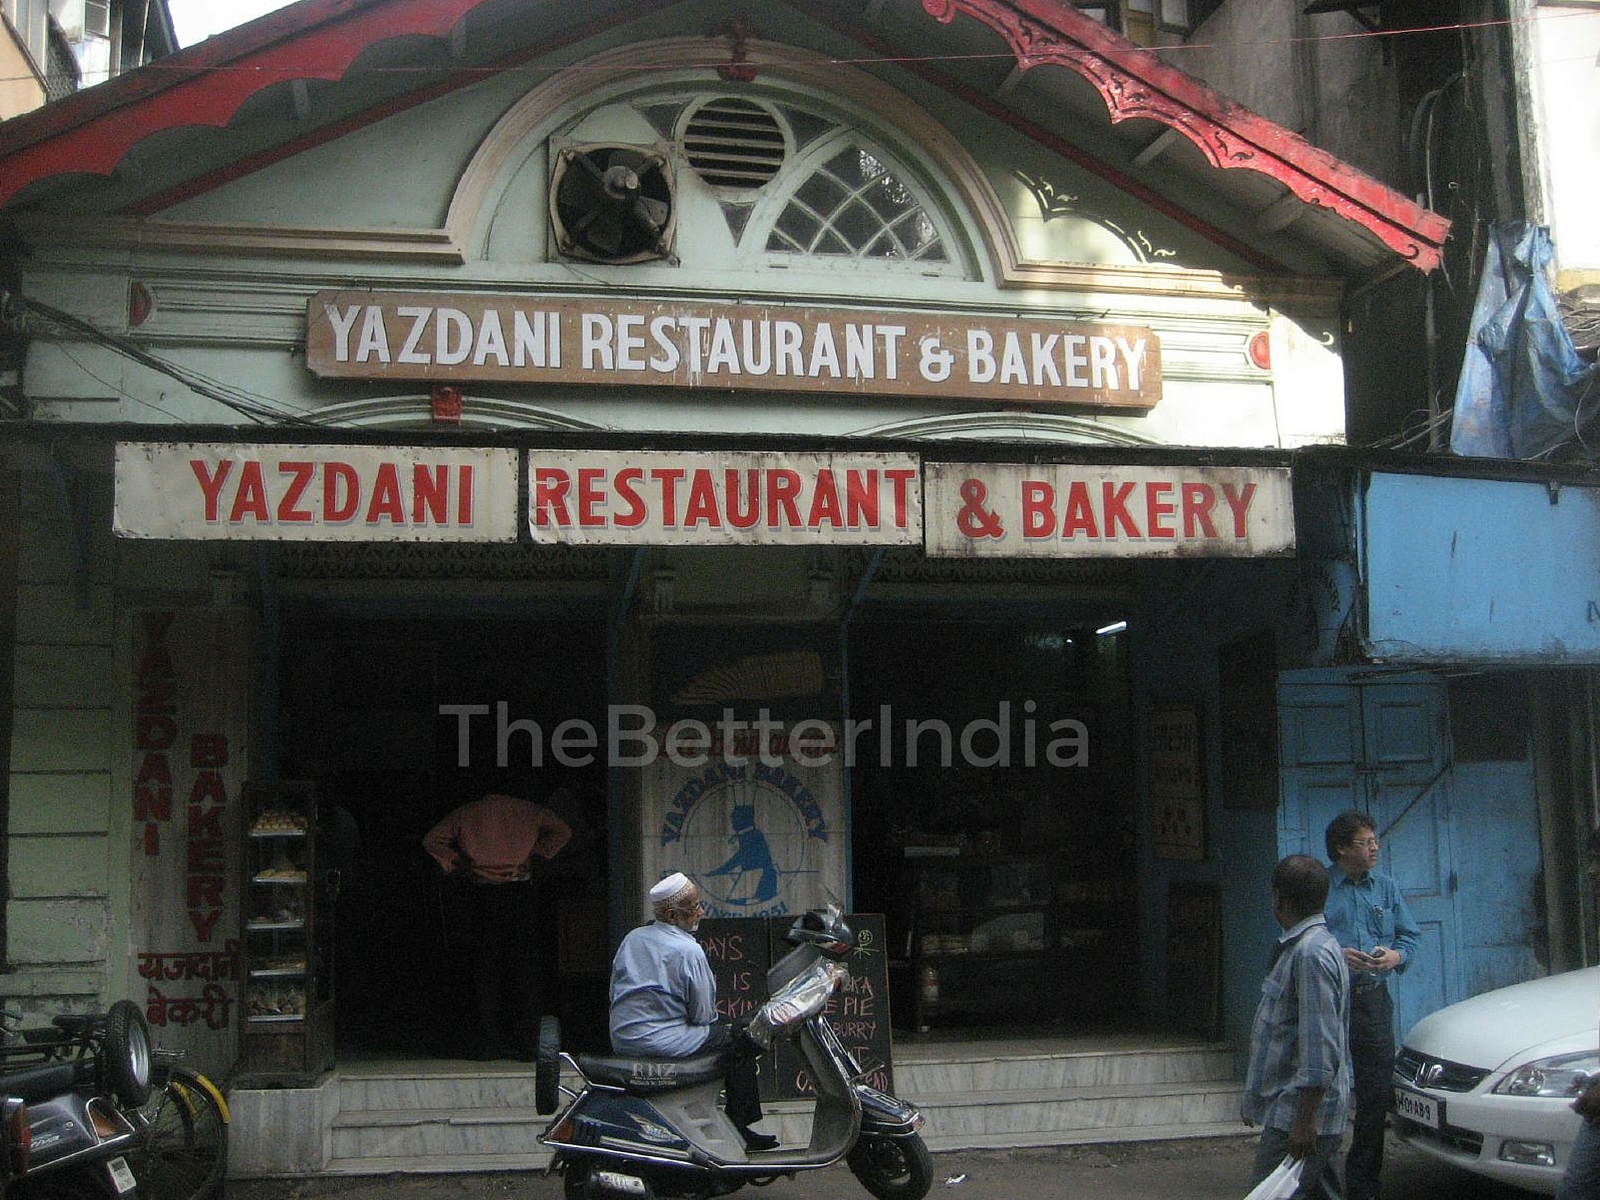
(1281,1184)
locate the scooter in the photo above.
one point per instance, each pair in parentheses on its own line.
(71,1093)
(651,1128)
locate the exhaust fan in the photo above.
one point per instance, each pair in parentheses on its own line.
(612,204)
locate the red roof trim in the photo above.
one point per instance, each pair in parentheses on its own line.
(242,167)
(1135,82)
(1054,142)
(205,85)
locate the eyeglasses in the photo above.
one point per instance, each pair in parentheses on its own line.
(1366,843)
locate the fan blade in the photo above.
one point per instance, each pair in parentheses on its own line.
(635,160)
(605,234)
(579,188)
(652,214)
(588,159)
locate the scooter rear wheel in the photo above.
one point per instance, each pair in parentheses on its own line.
(892,1168)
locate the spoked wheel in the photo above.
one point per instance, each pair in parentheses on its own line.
(892,1168)
(184,1152)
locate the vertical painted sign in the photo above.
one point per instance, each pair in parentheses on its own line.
(190,710)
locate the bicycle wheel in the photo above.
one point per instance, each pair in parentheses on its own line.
(184,1152)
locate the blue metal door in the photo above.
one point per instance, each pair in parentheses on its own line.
(1382,748)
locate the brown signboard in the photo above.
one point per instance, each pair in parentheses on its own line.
(641,343)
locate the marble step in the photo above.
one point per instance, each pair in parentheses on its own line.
(1092,1114)
(457,1117)
(918,1073)
(951,1072)
(436,1133)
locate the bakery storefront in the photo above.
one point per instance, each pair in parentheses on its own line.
(802,675)
(819,457)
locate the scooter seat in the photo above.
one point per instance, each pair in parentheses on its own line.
(648,1076)
(40,1082)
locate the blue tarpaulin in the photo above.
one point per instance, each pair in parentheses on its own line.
(1524,391)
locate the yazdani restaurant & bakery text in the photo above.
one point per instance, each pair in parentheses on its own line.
(383,335)
(315,493)
(658,497)
(1051,510)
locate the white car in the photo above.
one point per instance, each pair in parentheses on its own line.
(1487,1084)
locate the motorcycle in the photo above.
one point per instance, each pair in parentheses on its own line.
(69,1114)
(651,1128)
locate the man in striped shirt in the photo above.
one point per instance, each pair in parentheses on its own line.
(1298,1085)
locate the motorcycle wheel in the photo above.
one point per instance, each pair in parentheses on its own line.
(547,1067)
(892,1168)
(125,1054)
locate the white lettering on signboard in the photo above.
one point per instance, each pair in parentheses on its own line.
(670,498)
(1038,360)
(1010,510)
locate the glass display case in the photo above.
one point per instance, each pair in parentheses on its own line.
(287,1026)
(1000,936)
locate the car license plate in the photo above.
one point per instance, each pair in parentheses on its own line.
(1414,1106)
(121,1177)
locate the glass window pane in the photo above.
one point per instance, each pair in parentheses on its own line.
(799,226)
(857,224)
(822,193)
(832,244)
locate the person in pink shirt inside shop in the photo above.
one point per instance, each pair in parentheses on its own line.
(491,845)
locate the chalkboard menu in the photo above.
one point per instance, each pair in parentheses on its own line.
(741,949)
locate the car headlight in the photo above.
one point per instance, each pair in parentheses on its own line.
(1561,1077)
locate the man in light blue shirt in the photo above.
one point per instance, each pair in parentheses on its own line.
(1367,913)
(664,1002)
(1298,1084)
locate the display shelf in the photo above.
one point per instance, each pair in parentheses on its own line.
(999,936)
(287,1031)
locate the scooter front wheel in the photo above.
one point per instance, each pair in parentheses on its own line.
(892,1168)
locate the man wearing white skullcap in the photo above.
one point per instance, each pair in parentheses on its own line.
(664,1001)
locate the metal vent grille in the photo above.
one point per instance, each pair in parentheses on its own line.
(734,143)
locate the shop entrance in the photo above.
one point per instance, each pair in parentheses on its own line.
(372,710)
(994,818)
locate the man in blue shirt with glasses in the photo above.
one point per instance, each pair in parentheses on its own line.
(1367,913)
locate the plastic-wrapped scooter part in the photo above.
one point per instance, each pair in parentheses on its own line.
(801,998)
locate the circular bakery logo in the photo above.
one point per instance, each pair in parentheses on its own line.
(749,835)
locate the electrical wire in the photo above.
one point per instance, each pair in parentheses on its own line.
(261,409)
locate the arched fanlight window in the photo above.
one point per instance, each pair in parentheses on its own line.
(853,206)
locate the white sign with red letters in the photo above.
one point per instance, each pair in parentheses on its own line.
(1054,510)
(316,493)
(699,498)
